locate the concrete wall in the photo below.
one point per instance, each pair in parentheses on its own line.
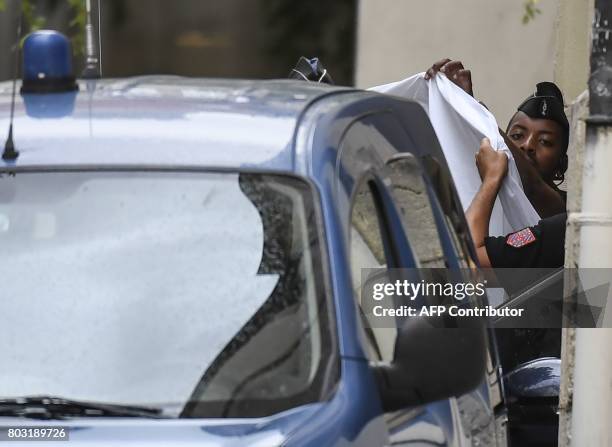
(397,38)
(573,46)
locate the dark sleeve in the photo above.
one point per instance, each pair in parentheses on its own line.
(502,255)
(547,251)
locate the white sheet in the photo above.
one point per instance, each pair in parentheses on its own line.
(461,123)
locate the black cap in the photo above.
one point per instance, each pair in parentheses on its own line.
(547,103)
(310,70)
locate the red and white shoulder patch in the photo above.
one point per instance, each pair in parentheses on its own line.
(521,238)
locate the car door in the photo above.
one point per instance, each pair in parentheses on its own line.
(428,201)
(440,249)
(364,170)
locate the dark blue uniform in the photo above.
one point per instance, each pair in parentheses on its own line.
(540,246)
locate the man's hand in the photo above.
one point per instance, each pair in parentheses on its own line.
(454,71)
(492,165)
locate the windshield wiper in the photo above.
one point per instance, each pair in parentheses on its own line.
(51,407)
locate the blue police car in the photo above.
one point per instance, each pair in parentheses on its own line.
(181,263)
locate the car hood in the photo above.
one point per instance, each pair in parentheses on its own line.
(265,432)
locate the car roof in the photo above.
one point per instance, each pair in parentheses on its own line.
(161,120)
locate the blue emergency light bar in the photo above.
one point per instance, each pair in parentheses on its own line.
(47,63)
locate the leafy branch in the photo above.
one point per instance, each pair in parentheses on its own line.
(33,20)
(531,11)
(78,22)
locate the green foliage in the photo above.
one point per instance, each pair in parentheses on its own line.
(34,20)
(78,23)
(531,10)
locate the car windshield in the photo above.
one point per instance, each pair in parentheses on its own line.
(197,293)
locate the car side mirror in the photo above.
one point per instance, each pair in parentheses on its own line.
(433,361)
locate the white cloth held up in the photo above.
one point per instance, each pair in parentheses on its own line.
(460,123)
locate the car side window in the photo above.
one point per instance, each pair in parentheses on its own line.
(365,229)
(414,205)
(367,252)
(364,147)
(451,208)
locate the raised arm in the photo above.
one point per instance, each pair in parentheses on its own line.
(492,167)
(545,199)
